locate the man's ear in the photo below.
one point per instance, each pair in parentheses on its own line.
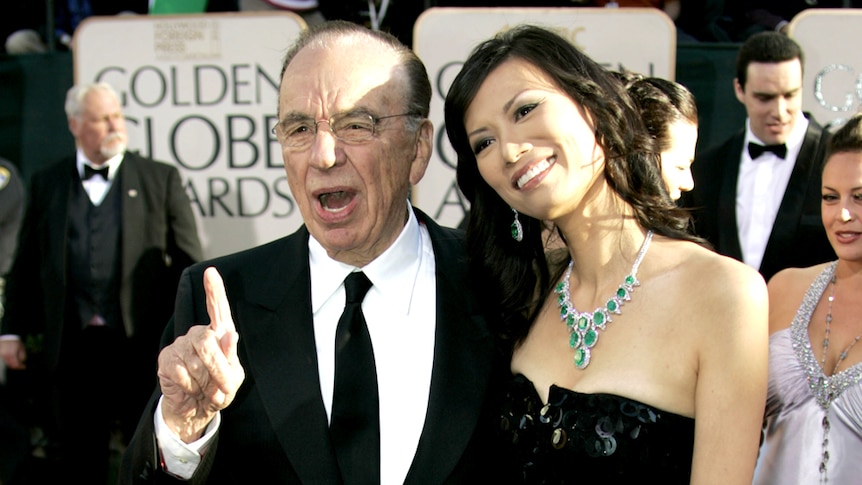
(739,90)
(73,126)
(424,150)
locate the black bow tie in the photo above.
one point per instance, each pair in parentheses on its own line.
(756,150)
(90,171)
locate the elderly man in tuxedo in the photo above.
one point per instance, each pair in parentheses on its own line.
(259,381)
(757,195)
(105,237)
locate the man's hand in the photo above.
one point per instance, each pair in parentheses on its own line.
(13,353)
(200,373)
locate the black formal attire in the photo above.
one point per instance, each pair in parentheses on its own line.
(12,200)
(276,429)
(578,438)
(747,17)
(14,440)
(115,264)
(797,239)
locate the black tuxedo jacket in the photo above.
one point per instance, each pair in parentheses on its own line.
(276,429)
(158,238)
(798,238)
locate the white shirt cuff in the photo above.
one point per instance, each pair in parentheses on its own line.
(181,459)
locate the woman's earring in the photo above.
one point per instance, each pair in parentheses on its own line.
(517,229)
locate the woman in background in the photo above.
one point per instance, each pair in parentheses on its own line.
(669,112)
(813,430)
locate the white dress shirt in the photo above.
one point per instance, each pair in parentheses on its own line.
(760,189)
(400,311)
(97,187)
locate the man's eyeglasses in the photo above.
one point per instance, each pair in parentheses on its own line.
(347,127)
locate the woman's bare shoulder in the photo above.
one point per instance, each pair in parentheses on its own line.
(794,279)
(716,292)
(707,274)
(787,288)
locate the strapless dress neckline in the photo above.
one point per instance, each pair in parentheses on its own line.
(577,436)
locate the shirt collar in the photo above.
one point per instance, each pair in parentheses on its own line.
(393,273)
(113,164)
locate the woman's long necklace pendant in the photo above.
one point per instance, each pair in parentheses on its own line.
(827,391)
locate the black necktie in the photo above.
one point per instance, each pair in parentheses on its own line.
(756,150)
(355,422)
(90,171)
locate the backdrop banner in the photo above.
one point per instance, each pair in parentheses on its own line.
(832,75)
(200,91)
(635,39)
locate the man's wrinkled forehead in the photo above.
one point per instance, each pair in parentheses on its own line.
(340,75)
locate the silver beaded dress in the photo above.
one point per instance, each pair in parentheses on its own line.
(799,397)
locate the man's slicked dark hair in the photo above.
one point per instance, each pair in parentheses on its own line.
(770,47)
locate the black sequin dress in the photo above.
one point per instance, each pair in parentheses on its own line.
(591,438)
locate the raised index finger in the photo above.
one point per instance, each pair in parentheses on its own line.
(218,307)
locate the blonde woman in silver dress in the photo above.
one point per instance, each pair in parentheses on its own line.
(813,429)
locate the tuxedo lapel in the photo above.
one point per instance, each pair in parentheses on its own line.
(728,230)
(59,191)
(133,215)
(278,340)
(462,366)
(792,204)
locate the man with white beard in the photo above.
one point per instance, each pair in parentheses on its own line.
(105,237)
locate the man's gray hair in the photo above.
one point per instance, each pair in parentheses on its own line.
(76,94)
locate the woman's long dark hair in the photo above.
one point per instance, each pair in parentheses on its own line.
(514,277)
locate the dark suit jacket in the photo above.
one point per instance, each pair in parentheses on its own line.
(798,238)
(12,201)
(276,429)
(158,238)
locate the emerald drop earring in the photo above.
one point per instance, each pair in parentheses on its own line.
(517,229)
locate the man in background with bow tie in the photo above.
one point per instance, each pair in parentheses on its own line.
(757,196)
(106,235)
